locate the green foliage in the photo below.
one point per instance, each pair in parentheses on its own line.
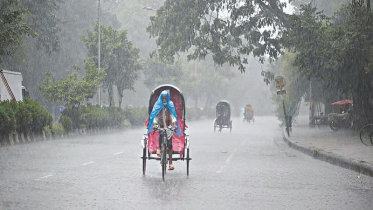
(40,117)
(328,7)
(12,26)
(66,19)
(43,20)
(66,123)
(47,132)
(202,27)
(197,80)
(157,73)
(7,119)
(72,90)
(336,52)
(57,129)
(23,116)
(136,116)
(119,58)
(94,118)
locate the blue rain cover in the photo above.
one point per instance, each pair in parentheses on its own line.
(158,106)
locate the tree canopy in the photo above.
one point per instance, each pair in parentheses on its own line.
(72,90)
(12,26)
(119,57)
(336,51)
(228,30)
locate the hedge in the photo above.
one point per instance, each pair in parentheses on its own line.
(27,117)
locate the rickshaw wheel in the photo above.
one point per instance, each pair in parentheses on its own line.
(334,125)
(144,160)
(187,162)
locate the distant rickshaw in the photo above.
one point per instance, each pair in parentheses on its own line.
(248,114)
(223,116)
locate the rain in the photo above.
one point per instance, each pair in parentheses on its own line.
(164,104)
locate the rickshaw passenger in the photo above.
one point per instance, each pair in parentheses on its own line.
(165,116)
(249,111)
(219,110)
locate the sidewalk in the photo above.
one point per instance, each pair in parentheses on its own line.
(340,147)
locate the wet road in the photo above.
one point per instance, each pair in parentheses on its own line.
(250,168)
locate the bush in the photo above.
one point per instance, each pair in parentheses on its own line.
(94,117)
(7,119)
(40,117)
(74,114)
(23,116)
(66,123)
(57,130)
(48,132)
(136,116)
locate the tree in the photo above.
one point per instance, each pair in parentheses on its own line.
(157,73)
(12,26)
(72,90)
(43,20)
(337,51)
(229,30)
(327,7)
(71,17)
(118,56)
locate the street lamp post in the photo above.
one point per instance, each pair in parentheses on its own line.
(280,84)
(99,49)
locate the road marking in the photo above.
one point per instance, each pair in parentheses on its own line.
(227,161)
(84,164)
(44,177)
(221,169)
(118,153)
(229,158)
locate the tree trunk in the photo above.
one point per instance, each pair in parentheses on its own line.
(111,96)
(120,102)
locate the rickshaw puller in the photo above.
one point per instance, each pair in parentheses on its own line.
(164,119)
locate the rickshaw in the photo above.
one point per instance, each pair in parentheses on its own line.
(343,118)
(180,144)
(248,115)
(223,116)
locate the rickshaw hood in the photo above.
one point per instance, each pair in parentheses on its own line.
(158,106)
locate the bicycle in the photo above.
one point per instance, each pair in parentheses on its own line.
(166,133)
(366,135)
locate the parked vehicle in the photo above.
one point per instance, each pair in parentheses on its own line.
(344,117)
(11,86)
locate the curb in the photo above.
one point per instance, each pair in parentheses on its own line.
(334,159)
